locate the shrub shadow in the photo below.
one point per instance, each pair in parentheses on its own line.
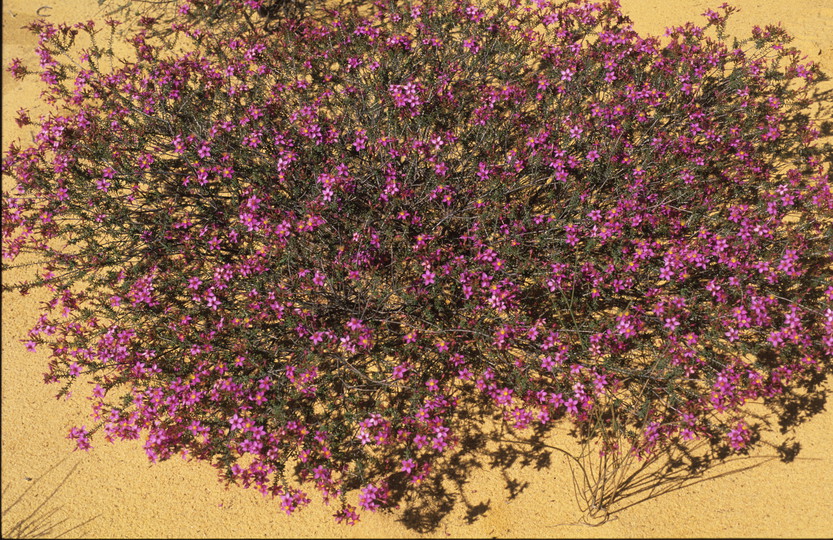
(45,520)
(603,486)
(423,508)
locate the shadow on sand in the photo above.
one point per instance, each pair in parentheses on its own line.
(604,486)
(33,514)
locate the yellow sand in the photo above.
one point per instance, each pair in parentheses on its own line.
(113,491)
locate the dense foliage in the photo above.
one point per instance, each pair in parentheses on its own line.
(303,252)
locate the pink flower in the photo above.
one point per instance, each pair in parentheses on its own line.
(504,396)
(572,406)
(360,141)
(400,371)
(373,497)
(347,515)
(739,436)
(81,437)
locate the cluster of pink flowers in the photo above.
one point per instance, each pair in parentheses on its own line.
(313,249)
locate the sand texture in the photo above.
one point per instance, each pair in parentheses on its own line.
(113,491)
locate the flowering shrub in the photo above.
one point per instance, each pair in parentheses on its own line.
(303,254)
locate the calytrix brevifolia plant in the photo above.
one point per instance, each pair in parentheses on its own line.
(303,254)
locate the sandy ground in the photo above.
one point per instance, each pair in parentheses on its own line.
(113,491)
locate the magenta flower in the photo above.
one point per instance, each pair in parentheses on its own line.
(408,465)
(81,437)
